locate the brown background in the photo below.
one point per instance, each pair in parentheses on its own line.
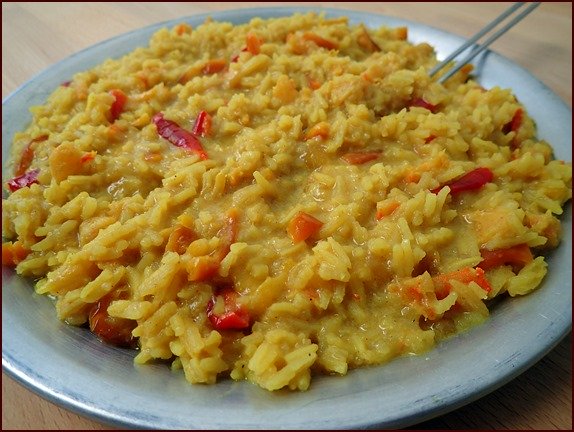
(36,35)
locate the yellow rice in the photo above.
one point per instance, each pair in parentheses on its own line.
(363,289)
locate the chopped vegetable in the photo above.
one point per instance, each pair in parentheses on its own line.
(24,180)
(111,330)
(117,107)
(465,275)
(319,41)
(319,130)
(88,156)
(204,267)
(387,209)
(227,234)
(420,102)
(429,139)
(179,239)
(178,136)
(28,155)
(514,124)
(313,84)
(302,226)
(253,44)
(360,158)
(224,313)
(517,256)
(214,66)
(365,41)
(202,126)
(182,29)
(472,180)
(13,253)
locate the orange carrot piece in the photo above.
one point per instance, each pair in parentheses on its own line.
(465,275)
(179,239)
(360,158)
(302,226)
(320,130)
(214,66)
(319,41)
(253,44)
(518,256)
(387,210)
(13,253)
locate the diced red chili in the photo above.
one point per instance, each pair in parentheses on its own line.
(202,126)
(28,155)
(89,156)
(429,139)
(514,124)
(235,57)
(178,136)
(234,316)
(472,180)
(24,180)
(117,107)
(360,158)
(420,102)
(111,330)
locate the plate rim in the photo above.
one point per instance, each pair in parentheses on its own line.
(61,400)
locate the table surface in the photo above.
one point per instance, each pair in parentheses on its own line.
(36,35)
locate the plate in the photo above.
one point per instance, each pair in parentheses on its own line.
(68,366)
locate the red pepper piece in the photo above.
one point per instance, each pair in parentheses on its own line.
(28,155)
(234,316)
(118,105)
(111,330)
(515,123)
(360,158)
(202,126)
(420,102)
(472,180)
(178,136)
(24,180)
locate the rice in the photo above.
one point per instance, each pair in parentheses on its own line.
(280,199)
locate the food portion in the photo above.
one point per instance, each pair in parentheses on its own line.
(280,199)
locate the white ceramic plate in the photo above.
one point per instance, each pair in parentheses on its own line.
(70,367)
